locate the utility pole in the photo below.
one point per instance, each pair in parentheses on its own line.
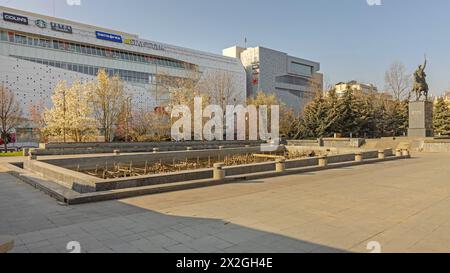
(127,117)
(64,115)
(157,84)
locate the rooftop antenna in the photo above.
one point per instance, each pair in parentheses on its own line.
(245,42)
(54,8)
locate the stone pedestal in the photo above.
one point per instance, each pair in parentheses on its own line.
(420,119)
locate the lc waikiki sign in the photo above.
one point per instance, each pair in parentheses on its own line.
(139,43)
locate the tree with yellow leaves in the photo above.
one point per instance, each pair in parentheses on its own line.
(107,96)
(71,114)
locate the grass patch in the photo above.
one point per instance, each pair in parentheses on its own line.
(3,154)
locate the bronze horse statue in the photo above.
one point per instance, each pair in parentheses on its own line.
(420,82)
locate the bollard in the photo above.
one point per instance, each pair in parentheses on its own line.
(323,161)
(280,165)
(155,150)
(398,153)
(358,157)
(406,153)
(381,154)
(219,172)
(32,156)
(116,152)
(26,151)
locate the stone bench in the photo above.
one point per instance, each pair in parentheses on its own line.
(6,244)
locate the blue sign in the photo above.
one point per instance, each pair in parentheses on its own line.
(108,37)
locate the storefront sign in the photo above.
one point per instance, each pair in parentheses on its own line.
(145,44)
(61,28)
(15,18)
(40,23)
(108,37)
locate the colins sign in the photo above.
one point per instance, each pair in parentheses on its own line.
(143,44)
(108,37)
(61,28)
(15,18)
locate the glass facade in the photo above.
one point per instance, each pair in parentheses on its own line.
(84,49)
(301,69)
(126,75)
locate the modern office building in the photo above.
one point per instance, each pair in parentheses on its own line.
(37,51)
(271,71)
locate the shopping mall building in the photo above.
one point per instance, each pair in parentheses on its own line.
(38,51)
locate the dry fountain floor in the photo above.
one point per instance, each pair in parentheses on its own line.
(403,205)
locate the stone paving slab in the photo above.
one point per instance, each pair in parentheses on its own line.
(6,244)
(403,205)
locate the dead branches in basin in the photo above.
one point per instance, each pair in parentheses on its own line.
(131,169)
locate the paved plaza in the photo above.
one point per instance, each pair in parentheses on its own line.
(403,205)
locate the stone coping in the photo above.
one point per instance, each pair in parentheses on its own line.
(84,183)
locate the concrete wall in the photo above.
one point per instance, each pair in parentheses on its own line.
(133,147)
(330,142)
(84,183)
(73,180)
(436,146)
(90,163)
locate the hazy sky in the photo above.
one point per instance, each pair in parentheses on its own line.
(351,39)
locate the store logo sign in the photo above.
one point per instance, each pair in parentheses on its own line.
(41,23)
(61,28)
(145,44)
(108,37)
(15,18)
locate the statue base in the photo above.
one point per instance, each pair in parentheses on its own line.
(421,119)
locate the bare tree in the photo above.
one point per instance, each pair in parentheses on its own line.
(220,88)
(10,114)
(150,126)
(398,81)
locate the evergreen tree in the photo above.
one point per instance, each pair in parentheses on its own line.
(332,100)
(347,123)
(441,119)
(403,117)
(368,115)
(317,119)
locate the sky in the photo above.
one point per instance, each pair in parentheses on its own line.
(350,38)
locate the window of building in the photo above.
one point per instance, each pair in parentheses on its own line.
(301,69)
(20,39)
(88,50)
(4,36)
